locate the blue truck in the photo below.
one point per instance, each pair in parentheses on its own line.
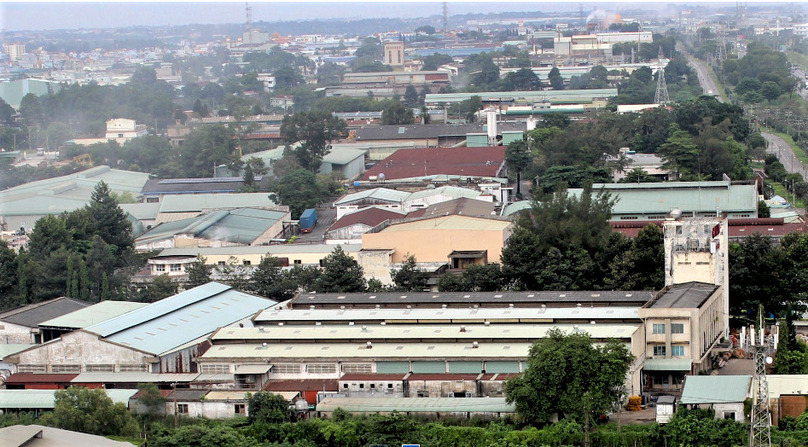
(308,219)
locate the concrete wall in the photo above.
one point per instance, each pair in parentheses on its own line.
(80,348)
(11,333)
(441,242)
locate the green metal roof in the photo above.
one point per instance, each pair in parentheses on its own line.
(243,225)
(44,399)
(715,389)
(667,365)
(383,194)
(419,404)
(94,314)
(184,203)
(11,349)
(343,156)
(585,95)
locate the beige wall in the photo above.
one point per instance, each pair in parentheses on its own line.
(11,333)
(435,244)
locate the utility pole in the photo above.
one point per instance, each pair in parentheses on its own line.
(445,16)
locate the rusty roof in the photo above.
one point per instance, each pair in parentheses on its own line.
(424,162)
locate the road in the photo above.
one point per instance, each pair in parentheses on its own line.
(777,146)
(705,80)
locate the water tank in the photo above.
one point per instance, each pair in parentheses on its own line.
(531,123)
(491,121)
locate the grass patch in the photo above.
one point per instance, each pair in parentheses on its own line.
(781,191)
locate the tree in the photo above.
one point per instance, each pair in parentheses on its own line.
(518,158)
(201,435)
(556,81)
(314,132)
(397,114)
(792,354)
(568,376)
(411,96)
(642,267)
(483,277)
(150,397)
(264,407)
(162,286)
(298,190)
(6,112)
(90,411)
(555,247)
(109,220)
(198,272)
(409,278)
(205,148)
(8,275)
(268,280)
(341,274)
(763,209)
(523,79)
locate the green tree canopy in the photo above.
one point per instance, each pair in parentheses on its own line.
(91,411)
(409,278)
(341,273)
(314,132)
(567,375)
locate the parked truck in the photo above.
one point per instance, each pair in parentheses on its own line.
(308,219)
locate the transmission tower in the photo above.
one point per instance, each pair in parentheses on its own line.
(661,96)
(248,10)
(760,430)
(445,16)
(721,49)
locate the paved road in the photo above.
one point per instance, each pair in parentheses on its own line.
(705,80)
(777,146)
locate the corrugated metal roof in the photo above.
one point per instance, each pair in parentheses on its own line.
(343,156)
(464,161)
(291,351)
(11,349)
(381,194)
(133,377)
(420,404)
(451,191)
(142,211)
(44,399)
(179,319)
(198,202)
(684,296)
(667,365)
(253,369)
(426,315)
(34,314)
(370,216)
(275,250)
(715,389)
(94,314)
(499,299)
(227,395)
(241,225)
(40,378)
(417,332)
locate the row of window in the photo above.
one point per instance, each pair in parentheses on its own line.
(237,409)
(676,351)
(676,328)
(172,267)
(73,368)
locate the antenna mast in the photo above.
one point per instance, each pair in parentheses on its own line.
(760,430)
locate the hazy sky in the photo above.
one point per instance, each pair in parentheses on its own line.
(72,15)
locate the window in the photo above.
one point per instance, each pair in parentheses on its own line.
(678,351)
(240,409)
(361,386)
(160,267)
(390,386)
(247,262)
(422,394)
(345,385)
(286,368)
(357,368)
(298,262)
(182,408)
(100,368)
(32,368)
(729,415)
(65,368)
(659,328)
(659,351)
(133,368)
(176,267)
(152,199)
(214,369)
(677,328)
(220,263)
(321,368)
